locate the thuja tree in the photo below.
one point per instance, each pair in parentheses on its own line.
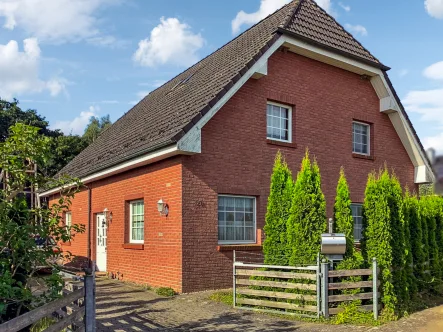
(377,237)
(429,211)
(279,205)
(343,221)
(20,254)
(413,242)
(307,220)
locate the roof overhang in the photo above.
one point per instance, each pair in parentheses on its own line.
(389,102)
(155,156)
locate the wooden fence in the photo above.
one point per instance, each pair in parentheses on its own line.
(75,309)
(306,291)
(293,290)
(364,290)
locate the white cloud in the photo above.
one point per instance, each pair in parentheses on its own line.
(267,7)
(142,94)
(77,125)
(346,8)
(434,71)
(427,103)
(20,71)
(53,20)
(434,8)
(357,29)
(170,42)
(403,72)
(435,142)
(325,4)
(107,41)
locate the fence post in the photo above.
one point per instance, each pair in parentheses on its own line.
(233,280)
(89,301)
(374,287)
(325,288)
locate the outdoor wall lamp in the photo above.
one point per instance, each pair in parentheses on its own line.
(108,216)
(162,208)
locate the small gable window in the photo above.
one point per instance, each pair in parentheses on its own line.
(361,133)
(279,122)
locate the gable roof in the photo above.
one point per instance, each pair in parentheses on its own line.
(166,114)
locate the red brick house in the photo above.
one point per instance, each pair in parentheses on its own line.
(204,143)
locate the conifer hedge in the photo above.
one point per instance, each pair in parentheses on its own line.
(413,243)
(275,246)
(429,210)
(307,220)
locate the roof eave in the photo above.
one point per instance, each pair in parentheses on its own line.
(333,49)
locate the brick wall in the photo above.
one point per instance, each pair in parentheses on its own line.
(237,159)
(159,262)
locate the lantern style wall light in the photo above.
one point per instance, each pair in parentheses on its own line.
(108,216)
(162,208)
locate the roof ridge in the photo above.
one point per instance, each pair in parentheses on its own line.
(291,13)
(346,31)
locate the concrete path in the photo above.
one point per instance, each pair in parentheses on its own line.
(124,307)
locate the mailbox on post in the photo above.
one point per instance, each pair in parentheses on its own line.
(333,246)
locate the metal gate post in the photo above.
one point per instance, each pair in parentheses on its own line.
(233,279)
(89,301)
(374,287)
(324,289)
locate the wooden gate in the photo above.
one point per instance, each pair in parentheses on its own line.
(76,309)
(277,289)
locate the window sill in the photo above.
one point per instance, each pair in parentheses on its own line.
(232,247)
(134,246)
(284,144)
(362,156)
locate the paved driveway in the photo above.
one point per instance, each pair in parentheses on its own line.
(123,307)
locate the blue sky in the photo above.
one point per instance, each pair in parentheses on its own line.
(71,59)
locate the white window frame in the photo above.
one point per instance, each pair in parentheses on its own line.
(353,221)
(369,138)
(68,221)
(234,242)
(130,221)
(289,108)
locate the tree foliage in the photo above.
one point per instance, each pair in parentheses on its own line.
(20,253)
(95,127)
(307,220)
(279,205)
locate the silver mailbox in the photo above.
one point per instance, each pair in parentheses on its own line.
(333,244)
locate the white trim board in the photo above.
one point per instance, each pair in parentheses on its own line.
(134,163)
(191,141)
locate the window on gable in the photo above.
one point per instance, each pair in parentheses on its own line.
(357,215)
(279,122)
(361,138)
(236,219)
(136,222)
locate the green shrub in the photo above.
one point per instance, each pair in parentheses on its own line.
(430,210)
(165,291)
(279,205)
(413,243)
(343,221)
(307,220)
(222,297)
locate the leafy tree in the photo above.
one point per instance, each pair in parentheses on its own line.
(20,253)
(307,220)
(343,221)
(279,205)
(95,127)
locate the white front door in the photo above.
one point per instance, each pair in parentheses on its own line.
(101,242)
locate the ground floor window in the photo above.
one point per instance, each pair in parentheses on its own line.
(357,215)
(137,222)
(236,219)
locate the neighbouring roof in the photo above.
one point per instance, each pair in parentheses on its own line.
(166,114)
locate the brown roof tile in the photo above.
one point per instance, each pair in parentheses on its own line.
(163,116)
